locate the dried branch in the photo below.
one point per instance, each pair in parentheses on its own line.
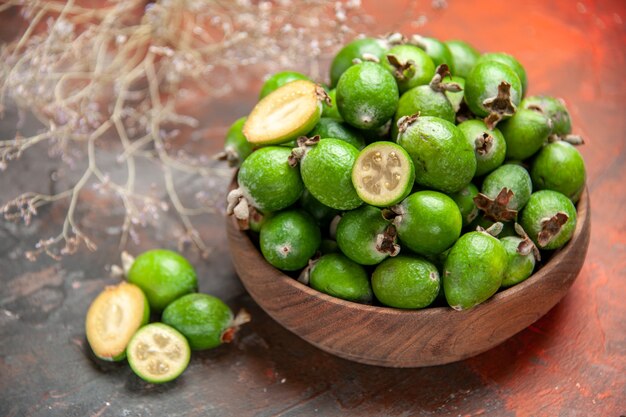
(114,77)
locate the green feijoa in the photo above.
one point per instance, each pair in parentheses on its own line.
(364,236)
(367,95)
(549,218)
(435,49)
(554,109)
(406,282)
(427,222)
(330,110)
(493,89)
(464,199)
(236,146)
(335,129)
(443,158)
(473,270)
(289,239)
(409,65)
(336,275)
(163,275)
(326,170)
(355,50)
(113,318)
(559,167)
(525,133)
(320,212)
(203,319)
(455,97)
(158,353)
(267,181)
(383,174)
(489,145)
(329,246)
(504,192)
(425,101)
(521,261)
(286,113)
(278,80)
(464,57)
(257,218)
(509,60)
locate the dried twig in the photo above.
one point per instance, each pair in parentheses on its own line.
(117,74)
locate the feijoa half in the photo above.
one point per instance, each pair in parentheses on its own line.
(290,111)
(383,174)
(158,353)
(112,319)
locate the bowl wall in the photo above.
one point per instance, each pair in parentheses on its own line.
(407,338)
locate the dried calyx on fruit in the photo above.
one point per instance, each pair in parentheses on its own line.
(437,83)
(303,143)
(266,181)
(550,227)
(496,209)
(500,106)
(526,246)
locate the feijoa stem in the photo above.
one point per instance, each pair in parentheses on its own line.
(402,70)
(484,143)
(127,262)
(496,209)
(526,246)
(405,121)
(240,319)
(499,106)
(322,95)
(550,228)
(571,139)
(493,230)
(395,38)
(229,155)
(305,276)
(386,241)
(238,206)
(437,83)
(418,41)
(303,144)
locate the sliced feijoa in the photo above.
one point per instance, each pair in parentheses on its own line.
(112,319)
(383,174)
(288,112)
(158,353)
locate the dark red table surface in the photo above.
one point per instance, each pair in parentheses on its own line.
(572,362)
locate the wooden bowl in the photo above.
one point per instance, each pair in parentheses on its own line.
(407,338)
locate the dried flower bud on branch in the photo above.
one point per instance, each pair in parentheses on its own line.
(114,76)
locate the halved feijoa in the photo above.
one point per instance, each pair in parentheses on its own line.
(290,111)
(112,319)
(383,174)
(158,353)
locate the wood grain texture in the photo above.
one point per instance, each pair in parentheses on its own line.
(407,338)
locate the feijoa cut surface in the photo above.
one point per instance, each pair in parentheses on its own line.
(383,174)
(158,353)
(113,318)
(284,114)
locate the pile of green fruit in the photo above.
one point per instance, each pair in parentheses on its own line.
(422,173)
(162,282)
